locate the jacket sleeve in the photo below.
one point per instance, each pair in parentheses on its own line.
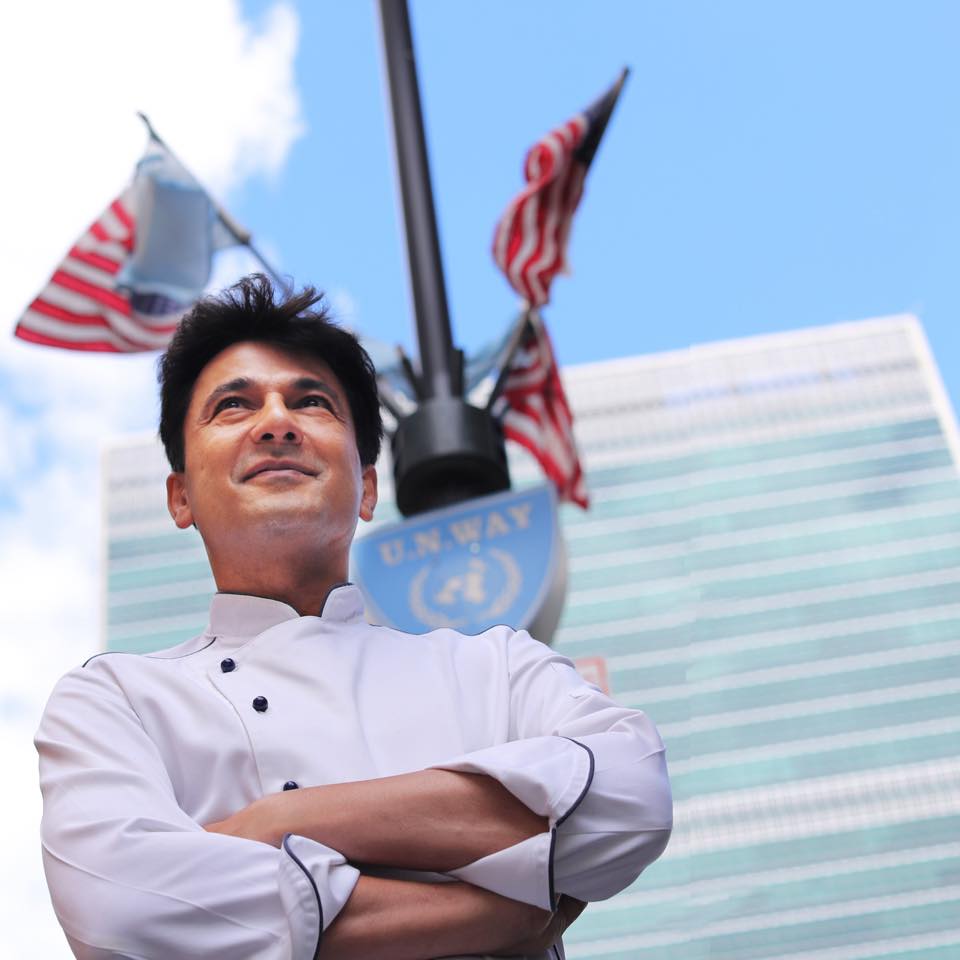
(131,875)
(594,769)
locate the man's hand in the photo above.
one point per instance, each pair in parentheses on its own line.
(551,929)
(400,920)
(258,821)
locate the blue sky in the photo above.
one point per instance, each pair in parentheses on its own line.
(770,166)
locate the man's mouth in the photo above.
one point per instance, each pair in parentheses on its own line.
(278,466)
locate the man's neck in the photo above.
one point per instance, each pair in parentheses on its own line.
(303,588)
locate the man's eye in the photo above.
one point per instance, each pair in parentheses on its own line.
(315,400)
(227,403)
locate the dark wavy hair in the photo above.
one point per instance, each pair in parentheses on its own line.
(250,311)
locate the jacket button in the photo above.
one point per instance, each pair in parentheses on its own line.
(291,785)
(260,704)
(228,665)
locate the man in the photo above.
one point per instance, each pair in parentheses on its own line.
(294,782)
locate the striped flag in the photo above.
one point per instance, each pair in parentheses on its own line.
(529,245)
(530,240)
(124,284)
(537,415)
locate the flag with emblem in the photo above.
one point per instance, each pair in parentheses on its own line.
(537,415)
(530,240)
(124,284)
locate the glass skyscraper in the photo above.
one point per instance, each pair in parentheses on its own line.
(771,569)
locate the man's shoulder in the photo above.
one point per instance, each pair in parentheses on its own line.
(447,636)
(499,643)
(179,651)
(108,680)
(118,668)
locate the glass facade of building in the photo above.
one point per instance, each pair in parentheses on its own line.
(771,568)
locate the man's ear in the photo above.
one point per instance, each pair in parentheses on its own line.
(368,500)
(177,502)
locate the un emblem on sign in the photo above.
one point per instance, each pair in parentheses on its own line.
(487,586)
(492,560)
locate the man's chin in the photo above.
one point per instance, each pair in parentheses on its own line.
(285,514)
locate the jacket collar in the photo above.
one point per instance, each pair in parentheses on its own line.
(240,615)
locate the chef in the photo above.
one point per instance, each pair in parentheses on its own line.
(295,782)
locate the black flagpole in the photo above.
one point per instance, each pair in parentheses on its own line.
(446,451)
(423,242)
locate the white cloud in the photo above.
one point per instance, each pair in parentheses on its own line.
(221,91)
(344,306)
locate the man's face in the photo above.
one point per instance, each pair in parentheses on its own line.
(269,440)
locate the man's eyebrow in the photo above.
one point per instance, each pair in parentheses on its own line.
(231,386)
(312,383)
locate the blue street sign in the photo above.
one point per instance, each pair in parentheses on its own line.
(468,567)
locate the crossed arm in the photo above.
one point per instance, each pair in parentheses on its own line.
(435,820)
(575,802)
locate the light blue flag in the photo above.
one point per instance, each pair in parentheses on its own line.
(177,231)
(482,368)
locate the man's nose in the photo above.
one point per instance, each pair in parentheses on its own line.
(276,422)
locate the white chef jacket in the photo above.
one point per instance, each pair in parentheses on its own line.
(138,751)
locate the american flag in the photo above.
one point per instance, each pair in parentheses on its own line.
(83,308)
(529,245)
(530,240)
(537,414)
